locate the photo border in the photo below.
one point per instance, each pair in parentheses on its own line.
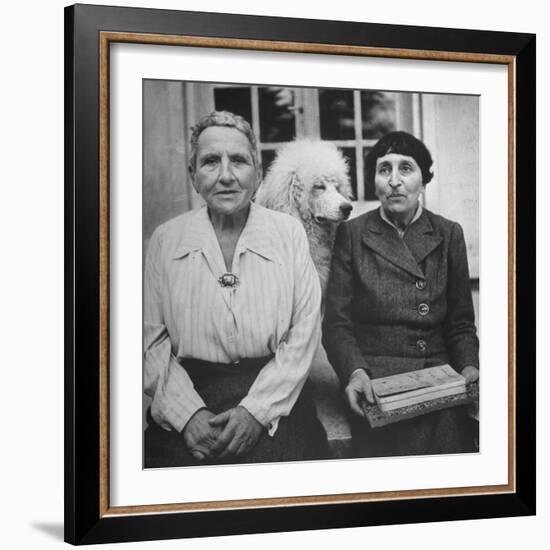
(88,516)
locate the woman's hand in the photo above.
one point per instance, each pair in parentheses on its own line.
(199,435)
(359,390)
(241,432)
(471,374)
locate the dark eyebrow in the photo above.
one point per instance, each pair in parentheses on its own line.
(208,155)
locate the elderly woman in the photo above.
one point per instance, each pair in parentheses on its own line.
(231,318)
(399,300)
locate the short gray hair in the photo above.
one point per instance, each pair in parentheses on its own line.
(224,119)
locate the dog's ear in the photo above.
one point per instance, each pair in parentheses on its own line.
(297,196)
(295,189)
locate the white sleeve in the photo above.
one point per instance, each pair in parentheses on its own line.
(279,383)
(164,380)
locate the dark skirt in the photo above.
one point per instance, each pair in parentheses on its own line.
(299,436)
(448,431)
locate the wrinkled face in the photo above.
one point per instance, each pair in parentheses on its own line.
(329,200)
(398,184)
(225,174)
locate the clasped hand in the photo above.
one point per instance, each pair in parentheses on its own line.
(229,434)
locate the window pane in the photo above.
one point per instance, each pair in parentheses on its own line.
(235,100)
(277,122)
(369,188)
(349,153)
(378,113)
(336,110)
(267,158)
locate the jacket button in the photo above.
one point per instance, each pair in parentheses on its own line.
(421,345)
(423,309)
(420,284)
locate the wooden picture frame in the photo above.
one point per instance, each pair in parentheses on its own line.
(89,33)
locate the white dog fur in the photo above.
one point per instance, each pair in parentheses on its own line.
(309,180)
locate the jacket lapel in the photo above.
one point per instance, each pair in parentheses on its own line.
(421,238)
(407,252)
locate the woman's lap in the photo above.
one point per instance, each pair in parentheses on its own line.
(300,436)
(448,431)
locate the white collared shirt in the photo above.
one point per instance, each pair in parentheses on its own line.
(275,309)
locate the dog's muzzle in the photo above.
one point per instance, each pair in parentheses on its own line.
(346,209)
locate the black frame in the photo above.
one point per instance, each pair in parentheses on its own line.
(83,522)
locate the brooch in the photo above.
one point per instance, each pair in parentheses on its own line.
(229,280)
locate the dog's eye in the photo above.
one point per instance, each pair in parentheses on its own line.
(320,186)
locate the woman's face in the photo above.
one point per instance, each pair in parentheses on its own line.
(398,184)
(225,174)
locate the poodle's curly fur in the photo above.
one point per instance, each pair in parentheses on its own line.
(310,180)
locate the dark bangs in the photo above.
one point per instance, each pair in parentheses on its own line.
(400,143)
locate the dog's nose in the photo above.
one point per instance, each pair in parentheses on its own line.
(346,208)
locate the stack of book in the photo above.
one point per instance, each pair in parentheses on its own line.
(410,388)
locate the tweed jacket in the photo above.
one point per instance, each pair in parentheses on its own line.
(397,304)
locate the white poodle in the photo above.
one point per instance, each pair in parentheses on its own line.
(309,180)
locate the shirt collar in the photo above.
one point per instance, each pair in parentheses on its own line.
(200,235)
(256,236)
(401,232)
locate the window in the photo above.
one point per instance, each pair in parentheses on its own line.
(352,119)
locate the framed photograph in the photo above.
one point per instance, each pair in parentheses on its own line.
(299,274)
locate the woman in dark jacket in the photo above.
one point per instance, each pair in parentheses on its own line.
(399,300)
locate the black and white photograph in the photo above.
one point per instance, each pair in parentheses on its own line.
(311,274)
(275,275)
(303,294)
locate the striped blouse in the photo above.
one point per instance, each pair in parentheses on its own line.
(275,310)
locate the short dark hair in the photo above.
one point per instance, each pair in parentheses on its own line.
(401,143)
(224,119)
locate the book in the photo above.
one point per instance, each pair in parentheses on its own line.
(379,419)
(402,390)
